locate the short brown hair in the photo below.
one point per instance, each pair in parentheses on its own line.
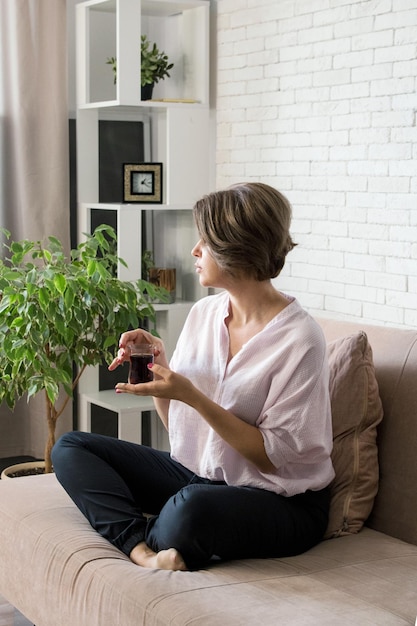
(246,228)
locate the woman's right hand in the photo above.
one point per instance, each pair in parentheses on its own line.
(138,336)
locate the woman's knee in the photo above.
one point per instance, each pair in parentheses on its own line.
(64,446)
(186,523)
(193,508)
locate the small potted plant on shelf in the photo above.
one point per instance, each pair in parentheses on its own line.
(155,66)
(57,312)
(163,277)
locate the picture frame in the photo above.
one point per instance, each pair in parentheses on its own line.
(142,182)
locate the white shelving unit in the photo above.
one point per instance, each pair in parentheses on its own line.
(177,133)
(127,407)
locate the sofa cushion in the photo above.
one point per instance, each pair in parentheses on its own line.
(356,411)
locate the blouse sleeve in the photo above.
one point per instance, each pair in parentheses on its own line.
(296,420)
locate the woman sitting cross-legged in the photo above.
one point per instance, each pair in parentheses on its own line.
(245,399)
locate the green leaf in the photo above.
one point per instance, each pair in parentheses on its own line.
(55,243)
(91,268)
(81,315)
(11,275)
(44,297)
(47,255)
(17,322)
(69,297)
(109,342)
(52,390)
(60,282)
(16,246)
(104,273)
(60,326)
(31,288)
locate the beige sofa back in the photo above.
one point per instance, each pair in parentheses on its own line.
(395,359)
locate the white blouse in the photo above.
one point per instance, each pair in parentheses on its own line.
(278,382)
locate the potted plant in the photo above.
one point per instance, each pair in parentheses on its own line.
(155,66)
(57,312)
(164,277)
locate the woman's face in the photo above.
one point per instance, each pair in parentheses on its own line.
(209,273)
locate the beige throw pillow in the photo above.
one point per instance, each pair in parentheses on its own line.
(356,411)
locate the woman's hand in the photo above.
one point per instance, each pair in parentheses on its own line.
(138,336)
(144,389)
(166,384)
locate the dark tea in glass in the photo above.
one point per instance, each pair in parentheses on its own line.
(140,356)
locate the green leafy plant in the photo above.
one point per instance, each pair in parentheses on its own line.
(56,312)
(155,65)
(147,263)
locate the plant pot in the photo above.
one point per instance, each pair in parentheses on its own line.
(164,277)
(23,469)
(146,91)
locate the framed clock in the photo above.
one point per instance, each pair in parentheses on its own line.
(142,182)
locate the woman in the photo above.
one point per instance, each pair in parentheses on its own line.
(245,400)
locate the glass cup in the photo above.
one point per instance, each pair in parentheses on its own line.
(140,355)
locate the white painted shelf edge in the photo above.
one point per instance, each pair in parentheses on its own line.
(109,399)
(141,105)
(179,304)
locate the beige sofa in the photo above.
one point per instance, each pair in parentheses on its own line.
(58,572)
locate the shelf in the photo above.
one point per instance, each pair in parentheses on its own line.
(141,105)
(117,402)
(179,304)
(128,407)
(176,236)
(174,128)
(112,28)
(155,8)
(179,138)
(116,206)
(169,8)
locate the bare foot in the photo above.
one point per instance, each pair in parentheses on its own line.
(165,559)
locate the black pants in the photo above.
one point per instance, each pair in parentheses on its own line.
(114,482)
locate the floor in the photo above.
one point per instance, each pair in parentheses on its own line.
(10,616)
(20,620)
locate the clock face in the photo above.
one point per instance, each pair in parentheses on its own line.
(142,183)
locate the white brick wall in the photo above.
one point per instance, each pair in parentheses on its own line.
(319,99)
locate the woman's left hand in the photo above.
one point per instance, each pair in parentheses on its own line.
(166,384)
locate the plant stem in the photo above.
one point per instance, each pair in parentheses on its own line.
(51,417)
